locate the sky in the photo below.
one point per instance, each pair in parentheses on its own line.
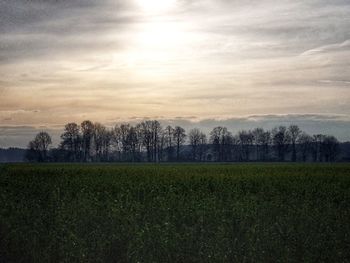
(198,63)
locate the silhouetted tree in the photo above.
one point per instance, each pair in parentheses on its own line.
(38,148)
(102,142)
(179,138)
(106,144)
(246,139)
(147,138)
(99,136)
(133,142)
(281,140)
(202,147)
(161,145)
(87,130)
(294,133)
(169,141)
(221,140)
(266,142)
(122,137)
(317,140)
(262,140)
(305,145)
(71,140)
(156,130)
(329,148)
(257,135)
(149,141)
(194,139)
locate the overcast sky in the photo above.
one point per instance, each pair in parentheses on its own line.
(237,63)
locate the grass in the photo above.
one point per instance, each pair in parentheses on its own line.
(175,213)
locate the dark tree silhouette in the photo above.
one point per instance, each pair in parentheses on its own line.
(71,141)
(133,143)
(179,138)
(221,140)
(262,141)
(195,140)
(102,141)
(294,133)
(316,147)
(329,148)
(38,148)
(169,142)
(202,147)
(257,141)
(87,130)
(281,140)
(128,139)
(148,141)
(246,139)
(156,130)
(305,145)
(147,138)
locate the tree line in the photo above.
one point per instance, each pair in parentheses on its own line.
(148,141)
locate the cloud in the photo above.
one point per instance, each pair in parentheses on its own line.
(108,60)
(343,46)
(19,136)
(331,82)
(42,29)
(337,125)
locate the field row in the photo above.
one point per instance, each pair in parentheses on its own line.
(175,213)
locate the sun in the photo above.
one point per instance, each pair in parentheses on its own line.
(155,6)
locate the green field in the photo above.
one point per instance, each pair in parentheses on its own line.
(175,213)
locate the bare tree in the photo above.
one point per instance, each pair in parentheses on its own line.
(132,142)
(317,140)
(116,143)
(179,138)
(281,140)
(156,130)
(202,146)
(294,133)
(99,137)
(71,140)
(221,140)
(305,145)
(329,148)
(38,148)
(149,141)
(161,145)
(215,140)
(262,140)
(194,139)
(258,134)
(169,141)
(147,138)
(246,139)
(121,138)
(266,142)
(87,130)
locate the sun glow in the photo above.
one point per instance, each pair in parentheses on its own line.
(155,47)
(158,43)
(156,6)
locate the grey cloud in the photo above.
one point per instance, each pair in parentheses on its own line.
(19,136)
(248,50)
(329,81)
(293,26)
(337,125)
(33,29)
(343,46)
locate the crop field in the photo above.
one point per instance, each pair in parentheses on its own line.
(175,213)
